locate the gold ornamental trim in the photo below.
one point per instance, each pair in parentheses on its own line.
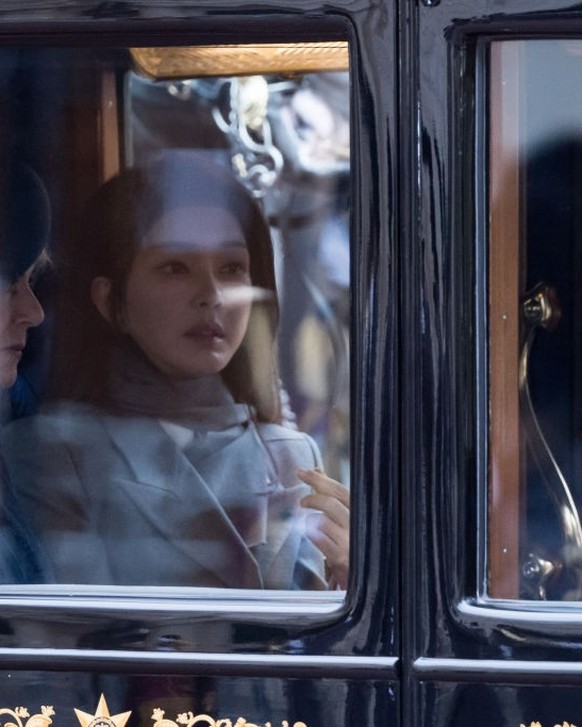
(240,60)
(103,718)
(20,717)
(189,719)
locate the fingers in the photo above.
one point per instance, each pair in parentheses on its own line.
(324,485)
(327,535)
(333,542)
(329,529)
(330,497)
(330,506)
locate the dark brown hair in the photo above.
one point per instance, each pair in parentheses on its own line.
(112,231)
(25,217)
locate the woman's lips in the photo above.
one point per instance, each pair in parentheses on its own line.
(205,331)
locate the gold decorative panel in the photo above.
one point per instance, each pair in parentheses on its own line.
(240,60)
(189,719)
(20,717)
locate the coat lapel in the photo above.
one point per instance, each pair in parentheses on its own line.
(285,518)
(250,489)
(191,518)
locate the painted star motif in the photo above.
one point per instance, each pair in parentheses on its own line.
(102,718)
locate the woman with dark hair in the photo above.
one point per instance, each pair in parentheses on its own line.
(167,443)
(25,221)
(24,231)
(182,187)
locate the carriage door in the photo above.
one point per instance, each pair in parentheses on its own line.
(126,611)
(497,637)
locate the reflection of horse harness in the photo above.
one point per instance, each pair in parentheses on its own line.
(289,145)
(540,310)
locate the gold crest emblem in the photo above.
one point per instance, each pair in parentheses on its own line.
(102,717)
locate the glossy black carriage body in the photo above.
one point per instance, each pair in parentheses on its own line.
(416,640)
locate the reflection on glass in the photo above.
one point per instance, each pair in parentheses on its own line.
(190,421)
(535,132)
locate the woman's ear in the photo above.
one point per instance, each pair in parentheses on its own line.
(101,297)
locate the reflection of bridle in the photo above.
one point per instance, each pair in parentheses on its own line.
(540,310)
(256,159)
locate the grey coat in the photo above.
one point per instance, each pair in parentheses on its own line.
(114,500)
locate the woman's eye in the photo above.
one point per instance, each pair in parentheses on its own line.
(234,268)
(173,268)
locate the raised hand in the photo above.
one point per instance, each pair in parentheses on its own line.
(329,529)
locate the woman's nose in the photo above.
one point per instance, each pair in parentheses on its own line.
(207,293)
(28,310)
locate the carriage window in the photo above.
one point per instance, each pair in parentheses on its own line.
(175,317)
(535,320)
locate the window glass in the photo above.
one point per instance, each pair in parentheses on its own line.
(174,320)
(535,320)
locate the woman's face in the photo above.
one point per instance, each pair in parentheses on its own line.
(19,311)
(188,296)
